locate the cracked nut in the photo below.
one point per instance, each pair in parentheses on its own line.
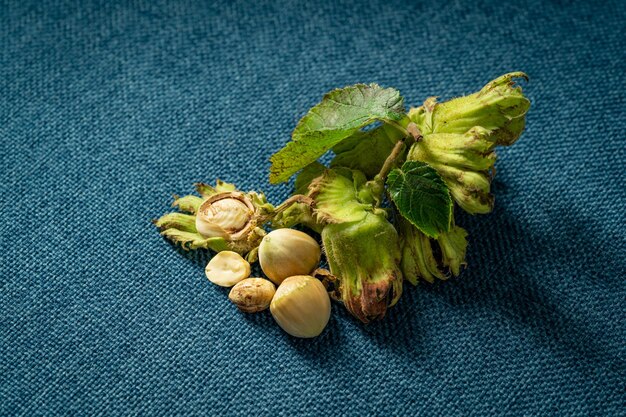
(228,215)
(227,268)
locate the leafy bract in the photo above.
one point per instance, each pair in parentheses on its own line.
(499,107)
(361,246)
(429,259)
(418,260)
(335,197)
(421,197)
(339,115)
(308,174)
(453,246)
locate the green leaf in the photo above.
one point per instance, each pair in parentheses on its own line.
(366,151)
(421,197)
(339,115)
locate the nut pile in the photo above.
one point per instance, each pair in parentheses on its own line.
(300,305)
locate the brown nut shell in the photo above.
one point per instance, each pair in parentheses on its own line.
(252,294)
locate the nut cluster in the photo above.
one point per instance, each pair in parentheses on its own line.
(426,162)
(300,305)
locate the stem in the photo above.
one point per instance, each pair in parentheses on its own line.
(390,161)
(411,131)
(411,134)
(298,198)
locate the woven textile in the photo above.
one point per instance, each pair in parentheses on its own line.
(108,108)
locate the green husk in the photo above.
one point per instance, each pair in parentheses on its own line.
(420,260)
(361,246)
(453,245)
(465,163)
(459,137)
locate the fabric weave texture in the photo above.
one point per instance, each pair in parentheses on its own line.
(107,108)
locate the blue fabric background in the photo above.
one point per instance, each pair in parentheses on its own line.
(108,108)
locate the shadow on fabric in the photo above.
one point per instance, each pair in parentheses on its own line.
(503,257)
